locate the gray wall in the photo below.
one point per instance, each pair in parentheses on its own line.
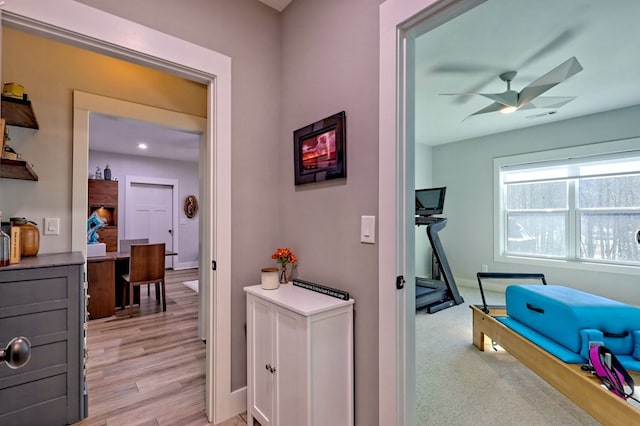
(466,168)
(329,64)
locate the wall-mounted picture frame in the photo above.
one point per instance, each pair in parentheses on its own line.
(320,151)
(191,206)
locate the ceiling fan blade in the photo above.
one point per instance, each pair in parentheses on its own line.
(560,40)
(508,98)
(489,108)
(554,77)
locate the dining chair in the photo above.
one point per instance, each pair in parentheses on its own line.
(146,266)
(125,247)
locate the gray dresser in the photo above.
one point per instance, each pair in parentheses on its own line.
(43,299)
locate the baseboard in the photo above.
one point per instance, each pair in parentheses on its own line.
(185,265)
(486,286)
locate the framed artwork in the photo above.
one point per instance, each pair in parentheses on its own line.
(191,206)
(320,150)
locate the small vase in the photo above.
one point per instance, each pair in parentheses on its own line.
(283,275)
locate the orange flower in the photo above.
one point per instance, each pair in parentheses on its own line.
(284,256)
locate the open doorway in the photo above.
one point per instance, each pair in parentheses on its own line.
(170,160)
(459,151)
(99,31)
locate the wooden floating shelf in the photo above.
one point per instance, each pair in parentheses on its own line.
(16,169)
(19,112)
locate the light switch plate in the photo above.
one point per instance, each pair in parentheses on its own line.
(368,229)
(51,226)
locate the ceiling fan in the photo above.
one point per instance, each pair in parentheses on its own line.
(529,97)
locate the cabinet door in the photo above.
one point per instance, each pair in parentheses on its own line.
(291,376)
(262,363)
(102,294)
(103,192)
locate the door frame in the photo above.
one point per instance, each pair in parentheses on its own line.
(92,29)
(173,183)
(400,22)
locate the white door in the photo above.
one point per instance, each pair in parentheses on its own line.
(400,22)
(149,210)
(260,354)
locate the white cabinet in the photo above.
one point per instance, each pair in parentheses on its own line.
(299,357)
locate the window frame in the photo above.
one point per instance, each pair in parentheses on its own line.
(624,146)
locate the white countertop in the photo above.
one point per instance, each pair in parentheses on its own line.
(304,302)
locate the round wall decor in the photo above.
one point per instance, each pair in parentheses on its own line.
(191,206)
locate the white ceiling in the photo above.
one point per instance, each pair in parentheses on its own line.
(122,136)
(468,53)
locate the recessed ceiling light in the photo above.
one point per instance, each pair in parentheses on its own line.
(142,145)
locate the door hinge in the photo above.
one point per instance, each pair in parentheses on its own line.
(400,282)
(214,265)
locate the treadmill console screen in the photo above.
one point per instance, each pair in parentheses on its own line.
(430,201)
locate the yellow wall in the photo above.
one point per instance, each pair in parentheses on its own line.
(50,71)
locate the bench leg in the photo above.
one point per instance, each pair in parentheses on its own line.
(478,334)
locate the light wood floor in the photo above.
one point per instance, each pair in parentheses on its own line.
(149,370)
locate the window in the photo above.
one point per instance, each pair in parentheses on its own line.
(576,209)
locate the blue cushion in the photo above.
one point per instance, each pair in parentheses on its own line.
(545,343)
(560,313)
(629,363)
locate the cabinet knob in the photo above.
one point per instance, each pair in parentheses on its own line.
(17,353)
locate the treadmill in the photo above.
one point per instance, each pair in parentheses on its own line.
(433,294)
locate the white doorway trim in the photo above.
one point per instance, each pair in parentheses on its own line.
(400,22)
(95,30)
(173,183)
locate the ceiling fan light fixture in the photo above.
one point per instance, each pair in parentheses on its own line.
(507,109)
(142,145)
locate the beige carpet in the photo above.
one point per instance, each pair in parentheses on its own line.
(193,285)
(458,385)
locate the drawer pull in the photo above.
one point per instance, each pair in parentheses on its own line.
(17,353)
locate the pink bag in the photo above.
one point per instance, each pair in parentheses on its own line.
(609,370)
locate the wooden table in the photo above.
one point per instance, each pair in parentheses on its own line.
(581,387)
(103,276)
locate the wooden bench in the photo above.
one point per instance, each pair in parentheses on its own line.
(583,388)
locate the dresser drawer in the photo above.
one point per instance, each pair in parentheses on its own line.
(30,291)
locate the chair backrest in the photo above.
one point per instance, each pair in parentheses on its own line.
(125,245)
(146,262)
